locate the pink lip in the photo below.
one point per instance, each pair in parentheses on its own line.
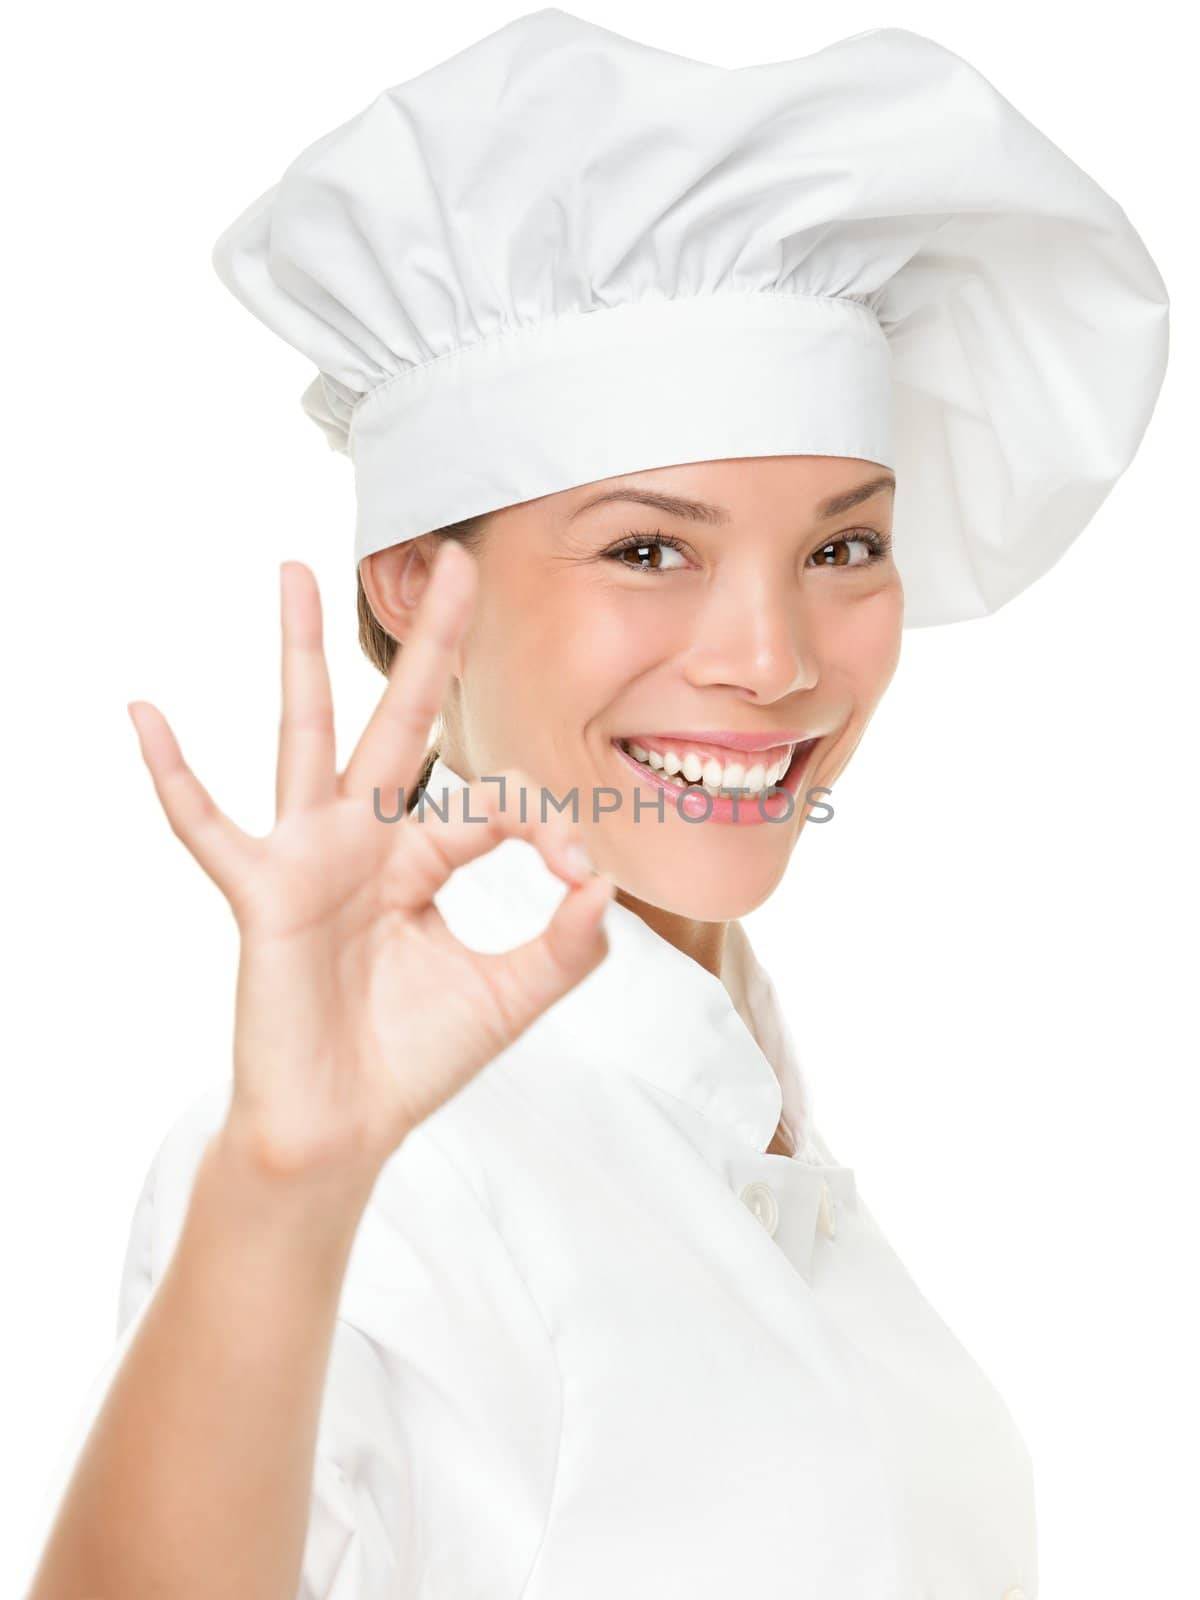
(724,737)
(766,806)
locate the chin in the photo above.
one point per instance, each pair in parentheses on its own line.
(722,898)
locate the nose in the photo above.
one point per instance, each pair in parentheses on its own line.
(752,635)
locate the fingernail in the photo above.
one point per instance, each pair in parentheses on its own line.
(578,860)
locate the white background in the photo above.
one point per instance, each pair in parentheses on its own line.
(996,1015)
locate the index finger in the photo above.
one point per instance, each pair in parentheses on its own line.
(390,751)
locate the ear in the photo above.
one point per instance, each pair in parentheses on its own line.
(394,580)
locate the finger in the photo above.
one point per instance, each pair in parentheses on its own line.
(478,818)
(305,773)
(218,844)
(388,755)
(532,976)
(528,979)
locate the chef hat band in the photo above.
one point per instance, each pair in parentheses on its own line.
(562,256)
(763,374)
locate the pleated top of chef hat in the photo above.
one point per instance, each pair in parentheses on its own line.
(562,255)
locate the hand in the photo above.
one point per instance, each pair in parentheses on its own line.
(358,1013)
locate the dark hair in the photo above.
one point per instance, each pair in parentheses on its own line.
(380,648)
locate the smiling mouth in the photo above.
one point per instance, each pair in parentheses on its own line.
(690,769)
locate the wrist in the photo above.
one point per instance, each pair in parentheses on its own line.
(317,1207)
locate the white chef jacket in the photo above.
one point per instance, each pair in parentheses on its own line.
(594,1342)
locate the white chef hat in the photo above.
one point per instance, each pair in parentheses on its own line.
(562,256)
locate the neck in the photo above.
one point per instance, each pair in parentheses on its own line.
(703,941)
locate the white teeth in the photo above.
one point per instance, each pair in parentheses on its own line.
(711,773)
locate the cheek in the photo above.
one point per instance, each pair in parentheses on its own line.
(555,654)
(614,625)
(864,640)
(599,659)
(599,643)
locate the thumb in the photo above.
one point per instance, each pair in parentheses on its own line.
(532,976)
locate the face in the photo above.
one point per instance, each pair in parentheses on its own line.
(733,622)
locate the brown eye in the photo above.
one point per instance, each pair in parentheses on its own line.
(648,553)
(839,552)
(641,552)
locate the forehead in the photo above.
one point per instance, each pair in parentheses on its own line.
(716,492)
(712,493)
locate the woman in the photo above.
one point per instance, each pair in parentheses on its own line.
(511,1261)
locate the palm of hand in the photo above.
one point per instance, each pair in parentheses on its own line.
(358,1012)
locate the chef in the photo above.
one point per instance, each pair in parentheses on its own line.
(616,1320)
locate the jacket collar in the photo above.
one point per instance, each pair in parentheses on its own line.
(721,1045)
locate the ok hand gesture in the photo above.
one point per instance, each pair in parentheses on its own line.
(358,1013)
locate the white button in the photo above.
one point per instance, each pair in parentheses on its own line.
(1013,1594)
(763,1203)
(826,1216)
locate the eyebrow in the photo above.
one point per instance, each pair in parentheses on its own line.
(701,511)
